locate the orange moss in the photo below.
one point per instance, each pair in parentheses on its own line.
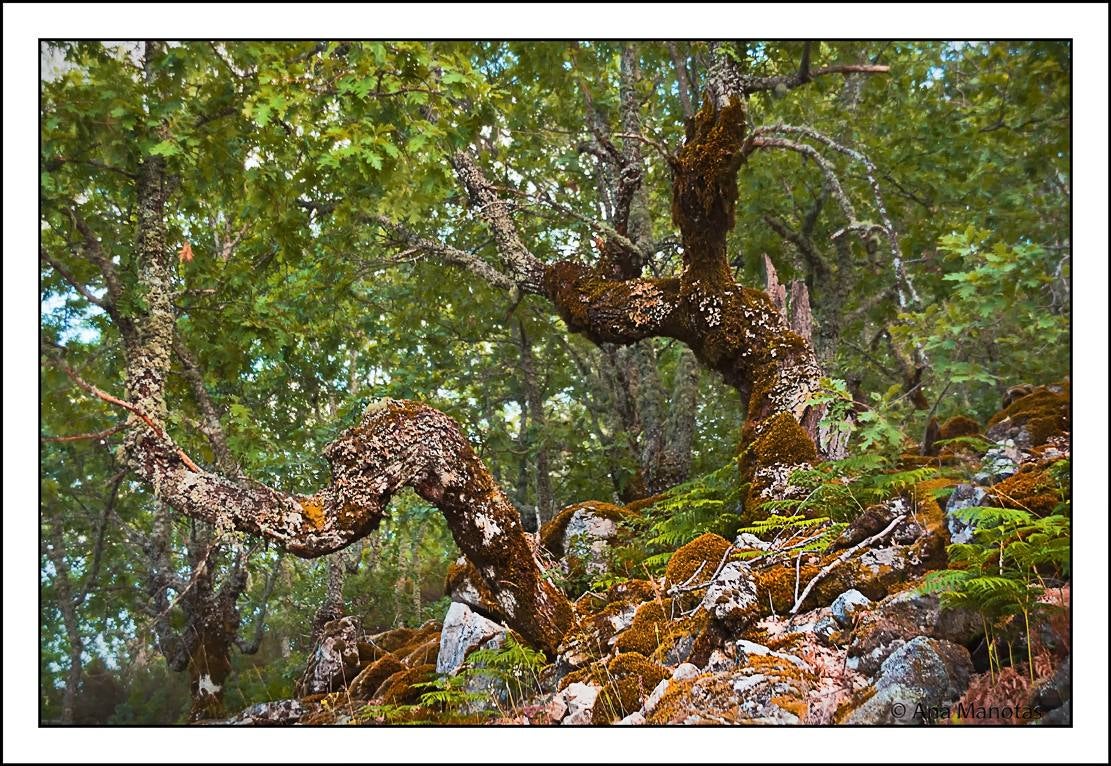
(1043,413)
(398,689)
(958,425)
(671,704)
(636,506)
(794,705)
(699,629)
(648,628)
(631,678)
(783,442)
(313,510)
(630,590)
(551,534)
(705,551)
(365,686)
(1031,489)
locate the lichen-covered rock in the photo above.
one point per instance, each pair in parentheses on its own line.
(921,675)
(848,604)
(902,617)
(769,689)
(335,660)
(964,496)
(277,713)
(580,699)
(463,632)
(1032,419)
(731,597)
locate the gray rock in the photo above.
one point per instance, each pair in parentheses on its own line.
(920,677)
(731,596)
(580,699)
(747,540)
(847,604)
(655,697)
(746,649)
(688,670)
(718,662)
(1057,691)
(1003,459)
(878,632)
(335,660)
(825,629)
(587,537)
(1061,716)
(964,496)
(278,713)
(632,719)
(463,631)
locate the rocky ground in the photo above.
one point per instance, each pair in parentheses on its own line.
(747,631)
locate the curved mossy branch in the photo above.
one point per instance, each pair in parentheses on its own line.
(398,444)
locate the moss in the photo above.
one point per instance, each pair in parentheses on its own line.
(673,702)
(648,628)
(551,534)
(783,442)
(699,630)
(794,705)
(776,441)
(631,590)
(636,506)
(398,689)
(313,510)
(631,678)
(1032,489)
(1042,413)
(705,551)
(959,425)
(365,686)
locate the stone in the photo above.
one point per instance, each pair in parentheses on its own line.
(657,694)
(1056,691)
(901,617)
(964,496)
(847,604)
(580,699)
(749,649)
(335,660)
(689,670)
(749,541)
(586,539)
(633,719)
(278,713)
(731,596)
(718,662)
(1000,462)
(463,631)
(923,674)
(825,629)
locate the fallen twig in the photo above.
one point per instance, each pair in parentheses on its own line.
(843,558)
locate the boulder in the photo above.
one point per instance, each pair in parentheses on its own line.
(848,604)
(899,618)
(964,496)
(335,660)
(580,699)
(919,679)
(463,632)
(731,596)
(278,713)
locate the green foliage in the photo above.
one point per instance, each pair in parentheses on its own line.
(294,313)
(842,489)
(1013,557)
(706,503)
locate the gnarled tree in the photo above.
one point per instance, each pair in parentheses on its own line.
(731,329)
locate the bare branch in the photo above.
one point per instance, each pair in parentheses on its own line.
(843,558)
